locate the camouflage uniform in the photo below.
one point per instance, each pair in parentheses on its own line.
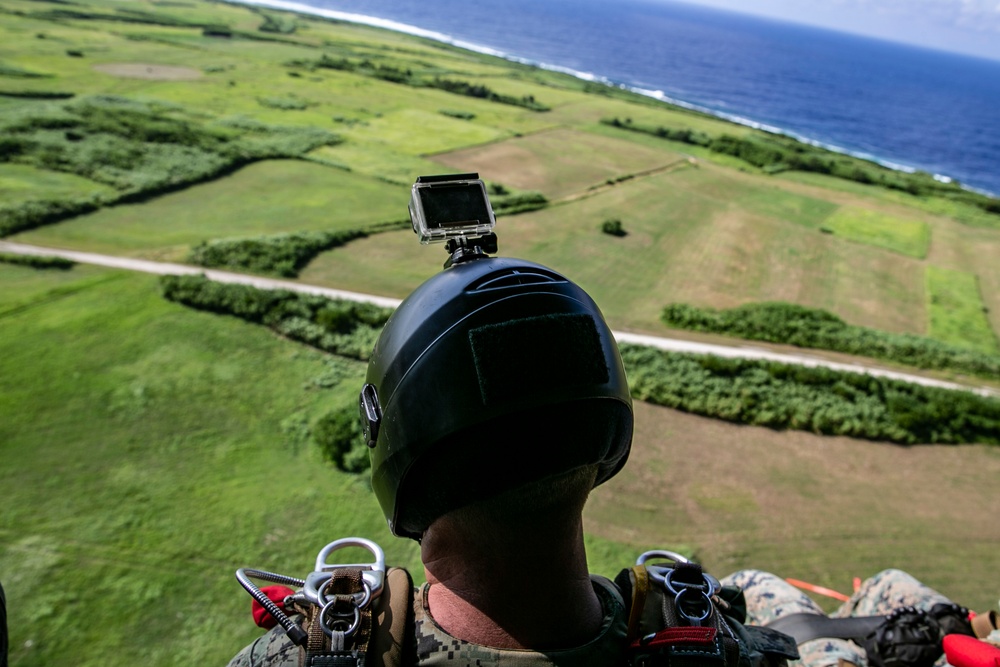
(434,646)
(770,597)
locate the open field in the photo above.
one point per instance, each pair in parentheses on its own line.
(147,450)
(253,201)
(172,452)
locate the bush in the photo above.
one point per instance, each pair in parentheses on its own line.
(138,148)
(613,227)
(339,437)
(37,262)
(283,254)
(818,400)
(346,328)
(791,324)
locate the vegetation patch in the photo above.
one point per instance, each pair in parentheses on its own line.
(37,94)
(819,400)
(345,328)
(138,148)
(281,254)
(506,201)
(15,72)
(613,227)
(907,237)
(149,71)
(792,324)
(956,312)
(406,76)
(774,153)
(37,261)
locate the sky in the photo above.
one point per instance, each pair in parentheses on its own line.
(963,26)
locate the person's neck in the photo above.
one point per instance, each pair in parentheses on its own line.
(523,588)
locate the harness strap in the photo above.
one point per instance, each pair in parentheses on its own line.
(806,627)
(331,650)
(393,632)
(640,586)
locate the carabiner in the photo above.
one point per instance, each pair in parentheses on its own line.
(372,574)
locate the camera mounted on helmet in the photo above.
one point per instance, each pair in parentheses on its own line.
(454,209)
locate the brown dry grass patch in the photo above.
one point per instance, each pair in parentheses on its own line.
(822,509)
(151,72)
(558,162)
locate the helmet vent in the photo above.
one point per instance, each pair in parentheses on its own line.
(514,278)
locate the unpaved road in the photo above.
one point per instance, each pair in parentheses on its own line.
(671,344)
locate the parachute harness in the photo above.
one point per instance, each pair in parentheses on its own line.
(335,601)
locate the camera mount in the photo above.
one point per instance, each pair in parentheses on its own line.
(454,209)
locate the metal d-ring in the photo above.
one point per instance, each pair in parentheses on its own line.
(352,628)
(362,602)
(708,586)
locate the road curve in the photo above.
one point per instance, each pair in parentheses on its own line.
(670,344)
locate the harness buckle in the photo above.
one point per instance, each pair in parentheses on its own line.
(693,599)
(372,574)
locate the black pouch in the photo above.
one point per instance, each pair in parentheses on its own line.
(909,637)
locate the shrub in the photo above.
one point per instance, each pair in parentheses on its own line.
(338,435)
(791,324)
(346,328)
(613,227)
(138,148)
(37,262)
(283,254)
(819,400)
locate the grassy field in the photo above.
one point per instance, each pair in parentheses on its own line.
(172,452)
(957,313)
(907,237)
(147,450)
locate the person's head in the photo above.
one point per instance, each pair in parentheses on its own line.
(494,375)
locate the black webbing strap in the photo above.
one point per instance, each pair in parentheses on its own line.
(805,627)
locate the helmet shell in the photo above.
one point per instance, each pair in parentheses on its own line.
(493,373)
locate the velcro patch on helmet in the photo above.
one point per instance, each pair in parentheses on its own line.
(537,353)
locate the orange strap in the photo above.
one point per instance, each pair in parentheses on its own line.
(828,592)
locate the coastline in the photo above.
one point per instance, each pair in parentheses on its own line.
(659,95)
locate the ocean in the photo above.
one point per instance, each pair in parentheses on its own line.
(902,106)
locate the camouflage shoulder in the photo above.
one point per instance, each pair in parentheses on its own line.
(273,649)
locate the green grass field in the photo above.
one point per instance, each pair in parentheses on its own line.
(907,237)
(148,450)
(957,313)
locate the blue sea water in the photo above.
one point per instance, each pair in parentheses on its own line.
(906,107)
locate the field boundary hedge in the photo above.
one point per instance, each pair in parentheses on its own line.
(283,255)
(818,400)
(791,324)
(338,326)
(141,149)
(775,153)
(37,261)
(760,393)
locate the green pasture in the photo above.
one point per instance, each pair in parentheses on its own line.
(263,198)
(24,183)
(907,237)
(956,312)
(148,450)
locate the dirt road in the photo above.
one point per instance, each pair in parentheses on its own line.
(671,344)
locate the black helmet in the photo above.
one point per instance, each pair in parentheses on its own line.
(494,373)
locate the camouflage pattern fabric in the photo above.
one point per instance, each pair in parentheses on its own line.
(434,646)
(769,597)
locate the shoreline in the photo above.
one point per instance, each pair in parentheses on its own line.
(659,95)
